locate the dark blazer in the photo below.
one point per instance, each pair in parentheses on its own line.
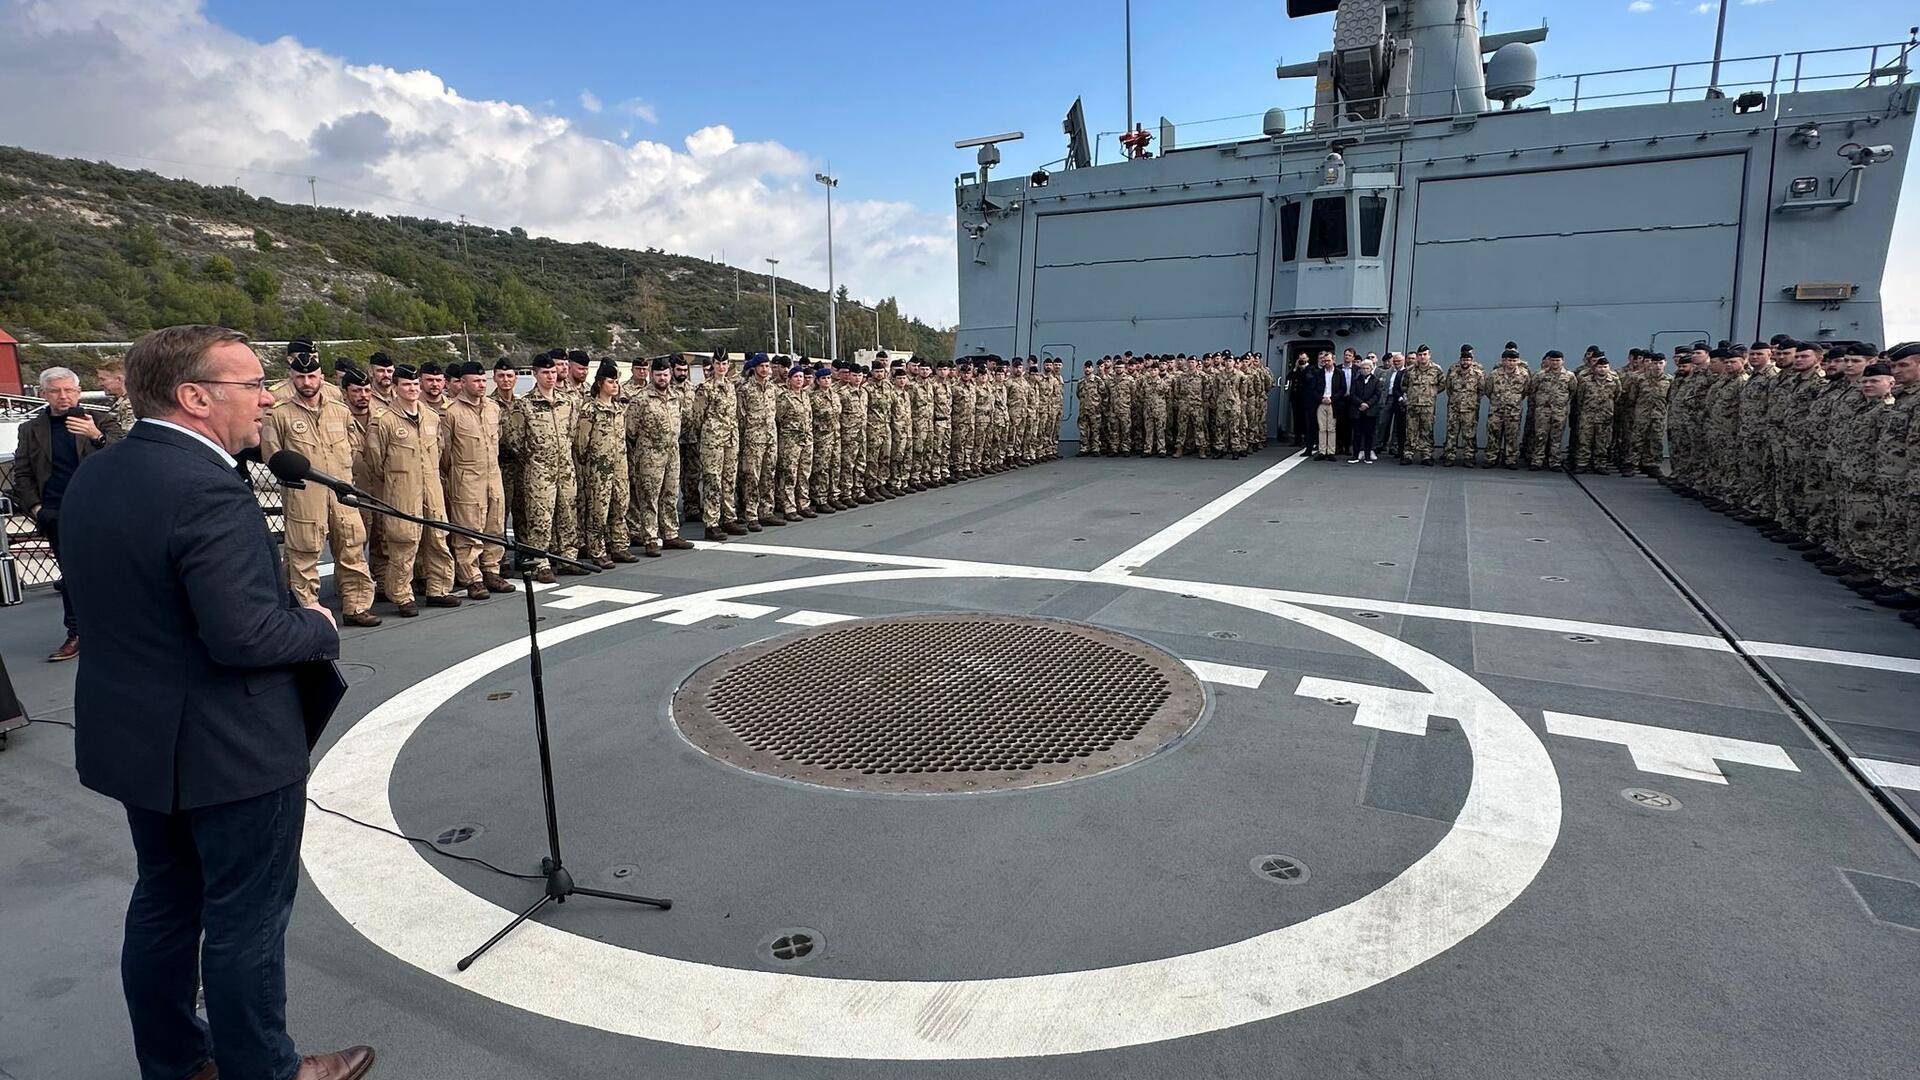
(186,695)
(1366,390)
(1394,388)
(1316,384)
(33,453)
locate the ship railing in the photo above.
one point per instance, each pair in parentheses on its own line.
(1887,64)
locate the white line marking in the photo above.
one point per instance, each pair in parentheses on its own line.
(1156,545)
(1380,707)
(1668,752)
(1832,656)
(815,618)
(1891,774)
(384,888)
(1227,674)
(579,596)
(695,610)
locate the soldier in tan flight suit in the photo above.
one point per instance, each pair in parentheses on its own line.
(356,392)
(470,460)
(403,450)
(307,422)
(381,368)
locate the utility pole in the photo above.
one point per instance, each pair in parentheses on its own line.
(833,319)
(773,287)
(1719,37)
(313,189)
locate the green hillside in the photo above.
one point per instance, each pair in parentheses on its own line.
(92,252)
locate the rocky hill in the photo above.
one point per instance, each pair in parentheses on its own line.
(92,252)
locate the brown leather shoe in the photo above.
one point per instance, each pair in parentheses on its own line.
(209,1071)
(360,618)
(569,570)
(603,562)
(544,576)
(773,519)
(753,526)
(652,551)
(448,600)
(477,591)
(734,528)
(625,556)
(68,649)
(349,1064)
(496,583)
(679,543)
(407,610)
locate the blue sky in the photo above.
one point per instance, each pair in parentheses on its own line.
(697,127)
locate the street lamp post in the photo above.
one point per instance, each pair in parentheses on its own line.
(833,321)
(773,290)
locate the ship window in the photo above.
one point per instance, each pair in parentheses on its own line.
(1373,219)
(1327,228)
(1289,231)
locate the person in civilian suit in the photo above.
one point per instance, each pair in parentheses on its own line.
(190,711)
(1342,415)
(1327,390)
(1392,432)
(1366,397)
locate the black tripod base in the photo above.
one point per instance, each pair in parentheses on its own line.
(559,886)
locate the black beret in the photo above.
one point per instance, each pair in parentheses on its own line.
(471,367)
(1763,345)
(1878,369)
(1834,353)
(578,356)
(303,362)
(1784,339)
(1510,354)
(503,364)
(606,370)
(300,345)
(939,364)
(661,363)
(880,354)
(352,376)
(1864,348)
(432,367)
(1660,356)
(1423,348)
(405,371)
(543,361)
(1593,350)
(1719,354)
(1633,352)
(1555,354)
(1903,350)
(1466,350)
(379,359)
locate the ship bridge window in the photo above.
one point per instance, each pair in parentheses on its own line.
(1373,221)
(1289,231)
(1327,228)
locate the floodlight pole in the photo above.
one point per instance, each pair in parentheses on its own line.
(773,286)
(833,302)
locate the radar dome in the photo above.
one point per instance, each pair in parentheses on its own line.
(1512,72)
(1274,122)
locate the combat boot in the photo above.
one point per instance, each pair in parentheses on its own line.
(544,576)
(652,551)
(806,513)
(477,591)
(773,520)
(678,544)
(570,570)
(753,526)
(407,610)
(916,487)
(448,600)
(734,528)
(496,583)
(360,618)
(625,556)
(862,500)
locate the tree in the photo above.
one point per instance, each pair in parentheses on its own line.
(263,284)
(218,268)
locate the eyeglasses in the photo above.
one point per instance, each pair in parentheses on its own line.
(255,385)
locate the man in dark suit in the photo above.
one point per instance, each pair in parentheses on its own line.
(1392,433)
(190,710)
(51,447)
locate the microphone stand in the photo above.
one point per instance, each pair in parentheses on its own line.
(559,883)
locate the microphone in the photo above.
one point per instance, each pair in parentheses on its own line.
(292,468)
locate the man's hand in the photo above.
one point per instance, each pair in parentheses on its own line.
(82,425)
(317,606)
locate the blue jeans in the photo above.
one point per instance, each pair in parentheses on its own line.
(228,873)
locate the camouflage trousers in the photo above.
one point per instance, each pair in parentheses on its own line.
(1503,435)
(879,469)
(1863,537)
(551,521)
(922,456)
(902,452)
(1190,427)
(603,493)
(1419,443)
(962,452)
(689,480)
(1088,425)
(1229,432)
(1549,425)
(1462,430)
(849,476)
(719,465)
(1596,439)
(1119,427)
(790,484)
(940,455)
(1648,442)
(823,481)
(1755,484)
(656,483)
(757,464)
(1156,428)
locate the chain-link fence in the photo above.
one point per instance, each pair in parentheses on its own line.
(33,557)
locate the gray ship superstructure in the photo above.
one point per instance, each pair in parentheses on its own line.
(1419,199)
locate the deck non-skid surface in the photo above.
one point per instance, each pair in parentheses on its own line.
(1748,922)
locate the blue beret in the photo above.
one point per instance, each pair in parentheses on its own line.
(756,360)
(823,373)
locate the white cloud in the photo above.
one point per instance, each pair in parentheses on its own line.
(590,101)
(155,84)
(1754,3)
(1705,9)
(1640,6)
